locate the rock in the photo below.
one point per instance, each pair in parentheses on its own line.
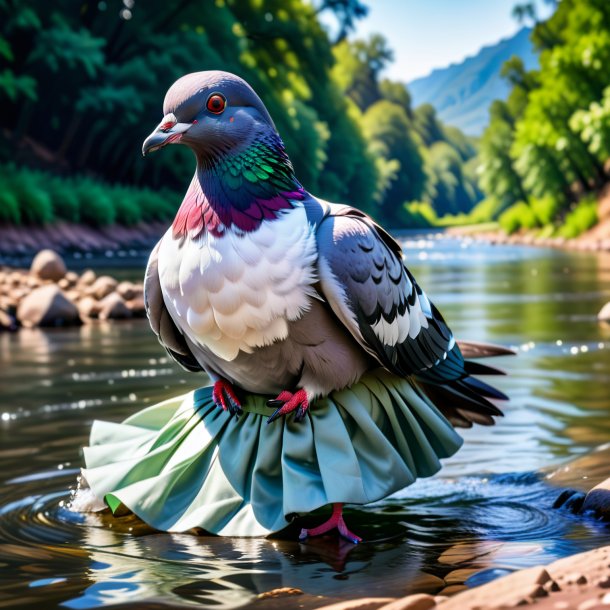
(604,314)
(113,307)
(419,601)
(6,321)
(88,307)
(459,577)
(103,286)
(127,290)
(63,283)
(87,278)
(47,306)
(48,265)
(364,603)
(71,278)
(281,592)
(137,307)
(515,589)
(598,500)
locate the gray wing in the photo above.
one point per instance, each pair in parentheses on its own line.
(364,279)
(161,322)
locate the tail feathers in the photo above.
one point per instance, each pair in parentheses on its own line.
(475,349)
(463,399)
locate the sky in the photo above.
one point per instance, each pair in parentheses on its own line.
(428,34)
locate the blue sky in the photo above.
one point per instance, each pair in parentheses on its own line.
(428,34)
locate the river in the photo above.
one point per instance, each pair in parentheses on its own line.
(486,513)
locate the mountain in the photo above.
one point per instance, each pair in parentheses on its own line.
(462,93)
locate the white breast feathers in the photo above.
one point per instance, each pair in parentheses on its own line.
(238,292)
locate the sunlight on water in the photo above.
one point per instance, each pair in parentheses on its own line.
(486,513)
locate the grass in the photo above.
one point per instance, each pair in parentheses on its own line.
(29,197)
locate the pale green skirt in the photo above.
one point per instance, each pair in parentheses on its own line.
(184,463)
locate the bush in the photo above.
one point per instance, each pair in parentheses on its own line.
(582,217)
(518,216)
(418,215)
(30,197)
(545,208)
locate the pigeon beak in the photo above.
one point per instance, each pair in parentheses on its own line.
(167,132)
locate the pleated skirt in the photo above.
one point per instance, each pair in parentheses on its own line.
(184,463)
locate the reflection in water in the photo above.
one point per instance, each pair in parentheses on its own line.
(478,516)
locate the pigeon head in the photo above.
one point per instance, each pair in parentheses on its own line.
(243,176)
(213,113)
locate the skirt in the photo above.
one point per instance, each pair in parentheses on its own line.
(185,463)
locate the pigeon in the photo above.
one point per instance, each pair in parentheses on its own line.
(273,291)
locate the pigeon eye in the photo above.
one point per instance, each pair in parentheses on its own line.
(216,103)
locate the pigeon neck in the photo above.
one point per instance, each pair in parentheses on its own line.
(238,191)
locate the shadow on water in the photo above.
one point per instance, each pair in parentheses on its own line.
(487,513)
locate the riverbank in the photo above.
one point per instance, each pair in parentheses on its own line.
(64,237)
(579,582)
(596,239)
(48,294)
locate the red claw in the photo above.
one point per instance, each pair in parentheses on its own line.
(224,396)
(287,402)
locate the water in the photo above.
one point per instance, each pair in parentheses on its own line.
(486,513)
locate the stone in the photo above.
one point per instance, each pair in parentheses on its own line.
(598,500)
(137,307)
(459,577)
(63,283)
(364,603)
(509,591)
(419,601)
(113,307)
(604,314)
(47,306)
(72,278)
(103,286)
(87,278)
(127,290)
(281,592)
(48,265)
(6,321)
(88,307)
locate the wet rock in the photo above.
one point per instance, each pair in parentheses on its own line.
(281,592)
(452,590)
(47,306)
(519,588)
(364,603)
(419,601)
(604,314)
(103,286)
(426,583)
(127,290)
(6,321)
(137,307)
(113,307)
(570,499)
(72,278)
(88,307)
(598,500)
(87,278)
(48,265)
(459,577)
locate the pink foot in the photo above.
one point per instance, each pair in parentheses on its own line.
(287,402)
(336,521)
(224,396)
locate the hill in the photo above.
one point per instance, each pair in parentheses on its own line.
(462,93)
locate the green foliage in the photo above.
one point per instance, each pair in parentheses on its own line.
(582,217)
(419,215)
(548,144)
(518,216)
(34,198)
(545,209)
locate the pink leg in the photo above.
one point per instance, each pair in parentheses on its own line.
(287,402)
(336,521)
(224,396)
